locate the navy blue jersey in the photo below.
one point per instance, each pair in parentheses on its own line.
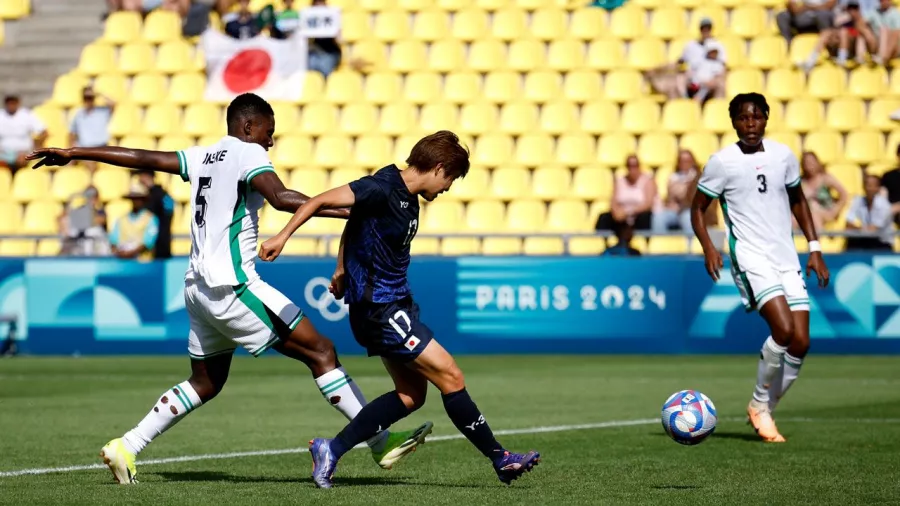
(382,224)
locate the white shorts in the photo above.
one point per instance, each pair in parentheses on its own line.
(253,315)
(759,286)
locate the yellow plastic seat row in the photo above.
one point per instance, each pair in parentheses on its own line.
(159,27)
(14,9)
(135,57)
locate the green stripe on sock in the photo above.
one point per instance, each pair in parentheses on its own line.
(181,397)
(797,362)
(329,385)
(344,381)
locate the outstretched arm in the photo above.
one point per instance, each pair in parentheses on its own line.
(336,198)
(158,161)
(270,186)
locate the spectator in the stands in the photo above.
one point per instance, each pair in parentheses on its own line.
(871,213)
(675,211)
(846,38)
(244,24)
(890,181)
(624,234)
(20,132)
(179,6)
(884,24)
(632,199)
(82,225)
(805,16)
(325,53)
(134,235)
(825,194)
(90,126)
(286,22)
(671,80)
(706,79)
(162,206)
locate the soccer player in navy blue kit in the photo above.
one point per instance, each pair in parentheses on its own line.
(372,263)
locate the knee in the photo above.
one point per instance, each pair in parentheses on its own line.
(323,357)
(207,388)
(784,329)
(452,380)
(413,399)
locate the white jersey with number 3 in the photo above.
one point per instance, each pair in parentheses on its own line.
(752,189)
(224,209)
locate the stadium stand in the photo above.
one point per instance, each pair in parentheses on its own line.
(549,94)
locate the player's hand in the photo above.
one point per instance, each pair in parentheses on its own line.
(713,263)
(338,284)
(270,249)
(816,264)
(50,157)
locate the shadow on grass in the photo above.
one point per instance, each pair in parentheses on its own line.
(721,434)
(343,481)
(676,487)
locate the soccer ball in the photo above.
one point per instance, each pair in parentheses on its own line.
(689,417)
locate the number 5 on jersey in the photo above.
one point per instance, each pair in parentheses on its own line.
(200,204)
(413,341)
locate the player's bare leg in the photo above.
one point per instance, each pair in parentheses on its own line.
(208,377)
(778,315)
(793,359)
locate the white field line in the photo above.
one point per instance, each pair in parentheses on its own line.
(508,432)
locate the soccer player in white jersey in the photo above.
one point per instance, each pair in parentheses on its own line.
(228,304)
(757,183)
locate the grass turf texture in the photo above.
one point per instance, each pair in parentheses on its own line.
(842,421)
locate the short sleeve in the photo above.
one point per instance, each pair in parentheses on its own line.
(73,127)
(367,192)
(151,232)
(792,170)
(114,236)
(712,181)
(254,161)
(881,213)
(188,158)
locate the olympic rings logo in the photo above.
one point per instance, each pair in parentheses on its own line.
(330,308)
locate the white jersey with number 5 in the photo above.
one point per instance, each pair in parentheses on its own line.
(752,189)
(224,210)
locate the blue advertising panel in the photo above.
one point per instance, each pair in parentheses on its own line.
(473,304)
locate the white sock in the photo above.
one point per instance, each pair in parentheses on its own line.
(780,386)
(344,395)
(771,357)
(813,59)
(174,404)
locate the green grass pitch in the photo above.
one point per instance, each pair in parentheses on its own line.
(842,421)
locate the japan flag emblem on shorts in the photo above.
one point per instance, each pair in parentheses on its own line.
(411,343)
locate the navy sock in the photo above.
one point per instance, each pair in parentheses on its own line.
(374,417)
(465,416)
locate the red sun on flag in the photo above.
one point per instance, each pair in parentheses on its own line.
(247,70)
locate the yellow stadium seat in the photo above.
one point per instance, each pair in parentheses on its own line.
(53,118)
(894,83)
(600,117)
(573,150)
(701,144)
(493,150)
(485,216)
(880,111)
(548,24)
(114,86)
(179,190)
(383,87)
(175,143)
(502,86)
(318,119)
(667,23)
(475,185)
(122,27)
(525,55)
(658,149)
(567,216)
(878,169)
(359,118)
(744,81)
(407,56)
(748,21)
(551,182)
(460,246)
(342,176)
(332,150)
(126,118)
(735,51)
(518,118)
(343,87)
(136,57)
(510,182)
(12,217)
(592,182)
(508,24)
(525,216)
(558,117)
(2,34)
(422,87)
(868,83)
(767,52)
(313,88)
(391,26)
(292,151)
(705,9)
(530,5)
(667,246)
(17,247)
(681,116)
(204,118)
(162,119)
(162,26)
(396,118)
(565,55)
(41,217)
(97,58)
(827,145)
(14,9)
(628,22)
(437,116)
(138,142)
(864,147)
(355,25)
(640,116)
(624,85)
(486,55)
(175,56)
(646,53)
(181,247)
(462,87)
(309,181)
(373,150)
(30,185)
(48,247)
(542,86)
(790,139)
(425,246)
(431,25)
(501,246)
(586,246)
(613,149)
(582,86)
(784,84)
(5,185)
(470,25)
(403,145)
(849,175)
(148,89)
(588,23)
(543,246)
(801,46)
(186,88)
(826,82)
(803,115)
(477,118)
(845,114)
(605,54)
(67,89)
(534,150)
(443,216)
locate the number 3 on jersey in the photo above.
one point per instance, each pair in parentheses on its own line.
(763,186)
(200,204)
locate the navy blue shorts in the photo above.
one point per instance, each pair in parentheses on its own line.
(392,330)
